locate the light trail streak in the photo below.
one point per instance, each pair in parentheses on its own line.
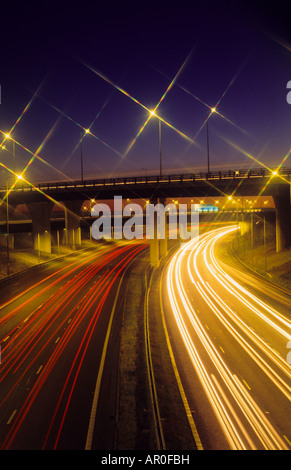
(63,315)
(243,423)
(116,271)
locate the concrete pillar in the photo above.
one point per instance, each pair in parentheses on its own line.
(154,241)
(283,220)
(154,252)
(164,241)
(41,225)
(163,247)
(73,219)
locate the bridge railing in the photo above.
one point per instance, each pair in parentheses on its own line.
(155,179)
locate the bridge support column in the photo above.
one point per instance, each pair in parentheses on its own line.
(283,221)
(41,225)
(73,218)
(158,241)
(154,243)
(164,240)
(152,231)
(243,224)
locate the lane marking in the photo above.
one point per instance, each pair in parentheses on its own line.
(11,417)
(177,375)
(92,419)
(246,384)
(91,426)
(151,376)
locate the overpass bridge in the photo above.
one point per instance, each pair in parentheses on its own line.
(41,198)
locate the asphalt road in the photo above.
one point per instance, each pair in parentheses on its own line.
(229,332)
(54,325)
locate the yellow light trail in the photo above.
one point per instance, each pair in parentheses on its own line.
(243,423)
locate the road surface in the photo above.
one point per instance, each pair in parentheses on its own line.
(229,332)
(52,336)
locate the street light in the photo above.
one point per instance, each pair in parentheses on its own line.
(8,136)
(7,230)
(153,113)
(213,110)
(87,131)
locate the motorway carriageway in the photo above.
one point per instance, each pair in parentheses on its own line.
(229,332)
(52,336)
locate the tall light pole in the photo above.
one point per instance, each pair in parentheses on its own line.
(7,229)
(13,153)
(207,142)
(213,110)
(265,243)
(87,131)
(8,136)
(160,145)
(81,156)
(82,175)
(153,113)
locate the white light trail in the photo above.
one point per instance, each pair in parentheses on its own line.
(243,423)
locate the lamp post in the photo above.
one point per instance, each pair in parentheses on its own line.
(8,136)
(160,145)
(213,110)
(13,153)
(82,176)
(153,113)
(7,229)
(265,243)
(207,142)
(87,131)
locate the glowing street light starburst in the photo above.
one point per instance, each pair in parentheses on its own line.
(151,112)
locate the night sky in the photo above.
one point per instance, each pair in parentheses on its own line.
(60,59)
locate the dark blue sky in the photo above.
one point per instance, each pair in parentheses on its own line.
(238,48)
